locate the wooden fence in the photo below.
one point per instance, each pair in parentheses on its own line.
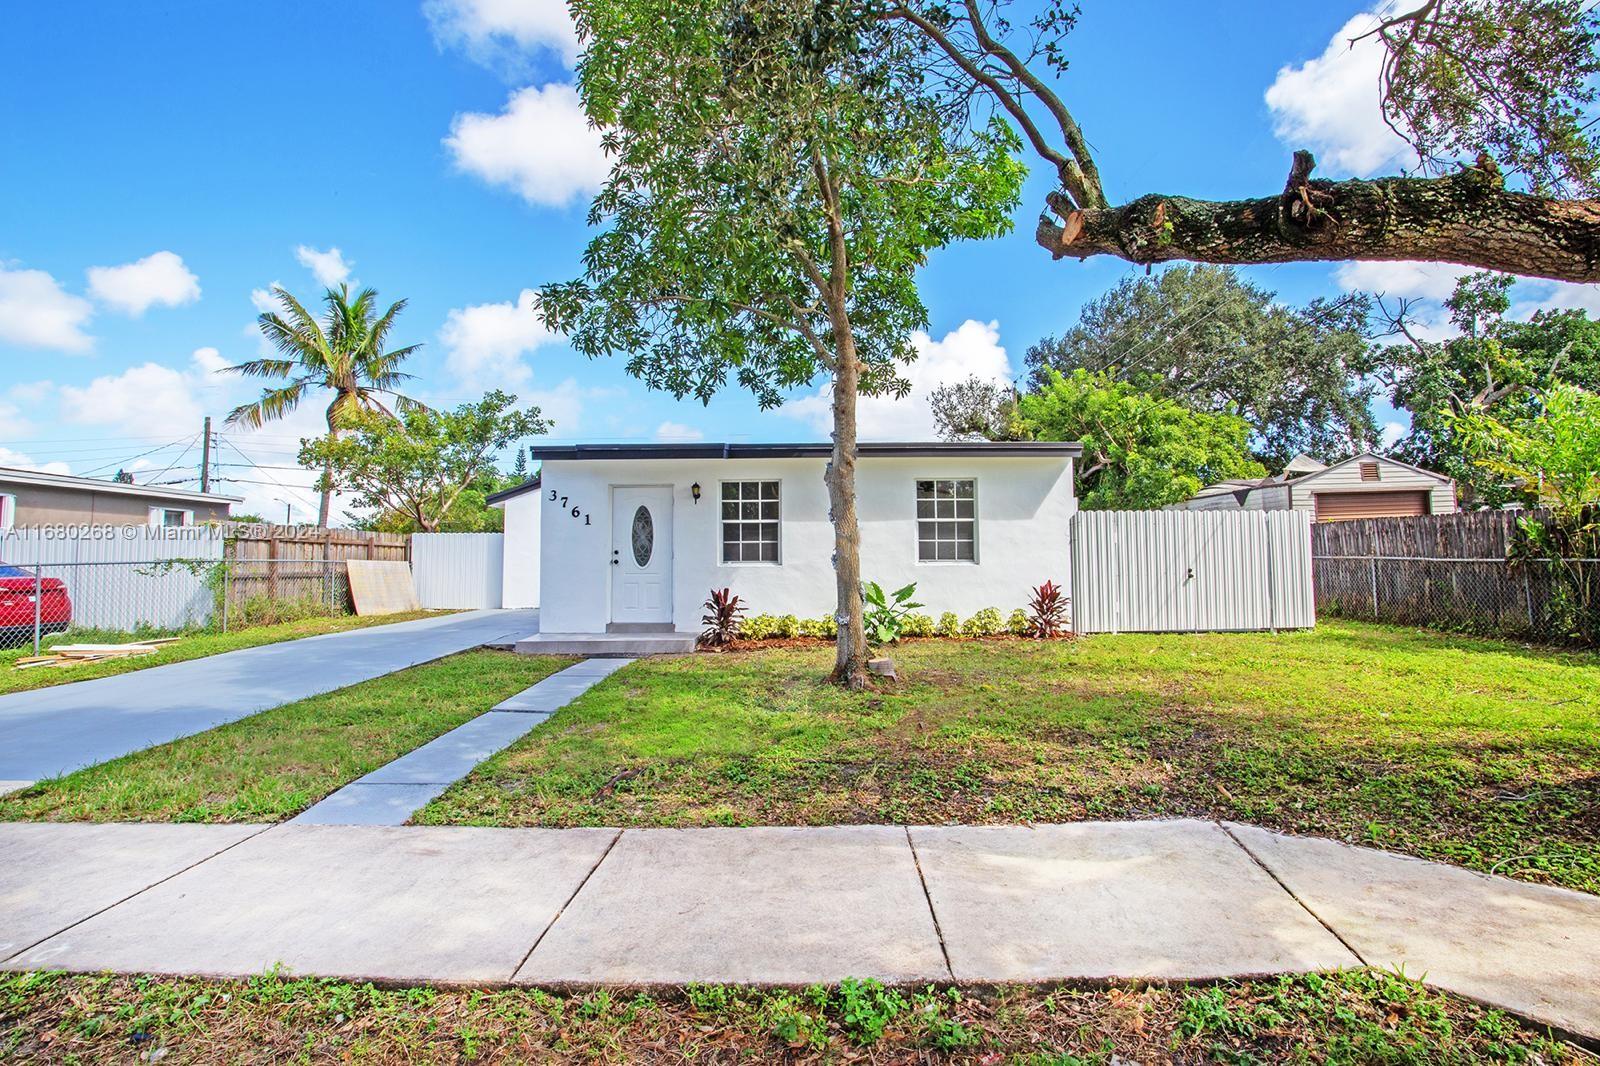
(1441,571)
(300,563)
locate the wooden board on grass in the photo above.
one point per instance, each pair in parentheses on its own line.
(381,586)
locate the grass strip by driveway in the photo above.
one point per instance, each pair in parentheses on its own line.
(1351,1017)
(277,763)
(187,646)
(1481,753)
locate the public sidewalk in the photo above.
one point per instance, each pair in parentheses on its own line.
(1156,900)
(56,730)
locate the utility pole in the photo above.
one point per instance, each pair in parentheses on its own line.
(205,457)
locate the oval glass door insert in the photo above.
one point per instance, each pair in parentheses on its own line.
(644,536)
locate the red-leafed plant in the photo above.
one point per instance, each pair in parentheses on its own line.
(1047,612)
(721,620)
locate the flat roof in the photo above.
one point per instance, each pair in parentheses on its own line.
(867,449)
(17,476)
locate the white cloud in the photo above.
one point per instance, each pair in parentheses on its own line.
(677,432)
(1391,433)
(142,396)
(36,312)
(329,268)
(501,33)
(971,350)
(1537,294)
(1330,104)
(20,461)
(485,342)
(264,301)
(541,146)
(564,404)
(133,288)
(1428,281)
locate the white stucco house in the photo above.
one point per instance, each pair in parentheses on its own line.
(632,538)
(1363,486)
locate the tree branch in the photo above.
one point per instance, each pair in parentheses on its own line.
(1467,218)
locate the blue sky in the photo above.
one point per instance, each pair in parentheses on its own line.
(162,163)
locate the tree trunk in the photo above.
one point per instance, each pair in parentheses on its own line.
(850,658)
(1467,218)
(327,471)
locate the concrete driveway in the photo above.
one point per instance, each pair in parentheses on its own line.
(57,730)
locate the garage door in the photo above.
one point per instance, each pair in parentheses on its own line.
(1343,506)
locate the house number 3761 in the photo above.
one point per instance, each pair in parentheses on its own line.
(576,512)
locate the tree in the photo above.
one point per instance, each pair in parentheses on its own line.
(423,470)
(1493,367)
(1139,450)
(779,172)
(343,353)
(1465,81)
(1213,342)
(976,409)
(1551,458)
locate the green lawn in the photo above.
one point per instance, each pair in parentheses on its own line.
(1352,1017)
(275,764)
(1481,753)
(188,646)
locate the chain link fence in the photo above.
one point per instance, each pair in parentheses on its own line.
(133,599)
(1518,599)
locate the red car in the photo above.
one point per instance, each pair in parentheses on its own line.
(16,603)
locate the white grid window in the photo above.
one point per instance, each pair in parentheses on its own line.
(947,521)
(750,517)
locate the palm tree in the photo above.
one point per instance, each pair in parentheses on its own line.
(343,353)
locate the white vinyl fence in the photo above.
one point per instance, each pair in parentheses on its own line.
(458,570)
(1189,571)
(125,578)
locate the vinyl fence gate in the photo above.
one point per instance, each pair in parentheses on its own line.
(1191,571)
(460,570)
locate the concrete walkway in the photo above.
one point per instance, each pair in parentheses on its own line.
(392,793)
(57,730)
(1154,900)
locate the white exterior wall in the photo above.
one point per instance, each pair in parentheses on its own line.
(520,570)
(1024,505)
(1268,498)
(1392,476)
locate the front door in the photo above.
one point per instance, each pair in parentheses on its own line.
(641,555)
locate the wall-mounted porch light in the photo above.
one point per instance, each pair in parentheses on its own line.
(694,490)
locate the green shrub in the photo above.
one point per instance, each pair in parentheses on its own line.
(786,626)
(917,625)
(1017,623)
(949,625)
(759,627)
(825,627)
(986,623)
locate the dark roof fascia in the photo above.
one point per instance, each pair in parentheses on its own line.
(515,490)
(872,449)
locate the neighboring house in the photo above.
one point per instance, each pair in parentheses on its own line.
(632,538)
(520,569)
(34,498)
(1364,486)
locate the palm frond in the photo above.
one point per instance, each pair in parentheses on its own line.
(263,368)
(273,405)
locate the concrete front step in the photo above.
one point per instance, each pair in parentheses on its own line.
(607,645)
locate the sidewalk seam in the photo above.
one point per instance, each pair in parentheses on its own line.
(1294,896)
(938,929)
(109,906)
(563,908)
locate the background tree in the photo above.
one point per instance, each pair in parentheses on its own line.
(423,470)
(1139,450)
(1465,81)
(976,409)
(1214,343)
(1494,367)
(779,172)
(344,353)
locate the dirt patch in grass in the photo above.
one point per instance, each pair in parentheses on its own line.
(1352,1017)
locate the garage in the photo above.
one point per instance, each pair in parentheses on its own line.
(1345,506)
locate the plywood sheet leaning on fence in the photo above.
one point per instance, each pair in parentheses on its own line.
(380,586)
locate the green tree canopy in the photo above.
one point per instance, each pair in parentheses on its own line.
(1495,367)
(423,470)
(345,353)
(780,170)
(1550,457)
(1139,450)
